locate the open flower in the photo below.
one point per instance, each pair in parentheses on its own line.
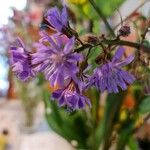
(71,96)
(110,76)
(20,59)
(58,20)
(56,59)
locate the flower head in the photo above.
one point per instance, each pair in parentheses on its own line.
(110,76)
(56,59)
(58,20)
(20,60)
(71,96)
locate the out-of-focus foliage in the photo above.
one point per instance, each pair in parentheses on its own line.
(71,127)
(106,6)
(145,105)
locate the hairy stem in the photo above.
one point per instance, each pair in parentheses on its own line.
(102,17)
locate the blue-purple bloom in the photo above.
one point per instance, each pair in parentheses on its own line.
(56,59)
(110,76)
(58,20)
(20,59)
(71,96)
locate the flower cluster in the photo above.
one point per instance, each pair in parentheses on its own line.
(57,59)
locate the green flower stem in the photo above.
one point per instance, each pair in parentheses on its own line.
(106,124)
(102,17)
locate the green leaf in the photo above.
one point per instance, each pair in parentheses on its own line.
(132,143)
(70,126)
(106,6)
(145,105)
(95,52)
(40,80)
(124,135)
(105,128)
(109,6)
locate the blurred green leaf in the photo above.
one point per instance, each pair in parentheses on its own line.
(146,43)
(94,53)
(105,128)
(70,126)
(124,135)
(145,105)
(93,95)
(87,9)
(109,6)
(96,27)
(106,6)
(40,80)
(132,143)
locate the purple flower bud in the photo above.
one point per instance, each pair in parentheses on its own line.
(124,31)
(58,20)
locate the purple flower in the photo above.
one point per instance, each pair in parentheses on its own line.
(71,96)
(56,59)
(58,20)
(110,76)
(20,59)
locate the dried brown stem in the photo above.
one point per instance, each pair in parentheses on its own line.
(116,42)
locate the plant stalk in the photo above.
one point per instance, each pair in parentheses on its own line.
(100,13)
(116,42)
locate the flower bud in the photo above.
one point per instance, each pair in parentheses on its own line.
(91,39)
(124,31)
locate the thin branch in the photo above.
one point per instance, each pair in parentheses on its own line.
(102,17)
(135,10)
(83,47)
(121,42)
(116,42)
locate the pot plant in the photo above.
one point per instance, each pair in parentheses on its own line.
(95,97)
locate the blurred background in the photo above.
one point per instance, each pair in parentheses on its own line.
(23,128)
